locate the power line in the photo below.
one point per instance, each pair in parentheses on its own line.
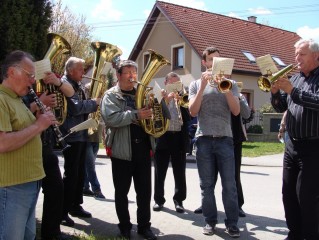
(291,10)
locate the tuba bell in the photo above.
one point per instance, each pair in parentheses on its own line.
(264,83)
(100,82)
(58,46)
(158,124)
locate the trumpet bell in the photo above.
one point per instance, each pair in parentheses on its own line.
(264,84)
(225,85)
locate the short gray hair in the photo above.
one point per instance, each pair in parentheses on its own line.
(71,62)
(313,46)
(172,74)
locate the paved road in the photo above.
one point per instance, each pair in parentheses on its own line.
(261,180)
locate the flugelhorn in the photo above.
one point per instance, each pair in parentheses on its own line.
(265,82)
(223,85)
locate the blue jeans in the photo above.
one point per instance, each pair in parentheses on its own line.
(90,173)
(17,211)
(212,154)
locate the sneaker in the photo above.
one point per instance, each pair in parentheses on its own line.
(233,231)
(88,193)
(99,195)
(209,229)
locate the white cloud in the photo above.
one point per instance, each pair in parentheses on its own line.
(259,11)
(306,32)
(231,14)
(105,11)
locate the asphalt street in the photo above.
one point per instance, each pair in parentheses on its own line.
(261,181)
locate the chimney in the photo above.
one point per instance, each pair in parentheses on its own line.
(252,19)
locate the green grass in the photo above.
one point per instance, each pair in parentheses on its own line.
(256,149)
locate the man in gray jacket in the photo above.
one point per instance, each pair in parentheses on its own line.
(131,148)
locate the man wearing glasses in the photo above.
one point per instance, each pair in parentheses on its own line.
(21,149)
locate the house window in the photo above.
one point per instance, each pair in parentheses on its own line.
(250,57)
(178,57)
(278,61)
(145,60)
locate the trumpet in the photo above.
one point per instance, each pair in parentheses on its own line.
(264,83)
(182,98)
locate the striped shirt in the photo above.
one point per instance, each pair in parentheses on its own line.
(302,120)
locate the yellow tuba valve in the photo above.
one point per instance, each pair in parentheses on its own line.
(58,46)
(158,125)
(264,83)
(104,53)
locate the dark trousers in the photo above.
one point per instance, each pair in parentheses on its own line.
(73,177)
(301,189)
(177,156)
(238,156)
(52,186)
(139,168)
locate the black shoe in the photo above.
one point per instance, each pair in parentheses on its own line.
(198,210)
(78,211)
(147,234)
(125,234)
(67,221)
(99,195)
(241,213)
(157,207)
(179,207)
(88,193)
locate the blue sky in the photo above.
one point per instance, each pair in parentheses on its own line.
(120,22)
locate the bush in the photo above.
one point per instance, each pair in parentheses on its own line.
(267,108)
(255,129)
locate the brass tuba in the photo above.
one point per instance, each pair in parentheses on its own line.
(264,83)
(104,52)
(58,46)
(158,124)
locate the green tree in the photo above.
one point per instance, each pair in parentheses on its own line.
(75,31)
(24,25)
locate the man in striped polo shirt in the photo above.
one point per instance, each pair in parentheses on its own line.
(300,97)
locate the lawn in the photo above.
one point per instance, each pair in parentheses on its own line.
(256,149)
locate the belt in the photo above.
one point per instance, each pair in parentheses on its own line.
(214,136)
(136,140)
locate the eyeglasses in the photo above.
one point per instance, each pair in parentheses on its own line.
(129,73)
(30,75)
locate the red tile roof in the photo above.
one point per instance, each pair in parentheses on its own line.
(230,35)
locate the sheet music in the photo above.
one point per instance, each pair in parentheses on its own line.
(266,65)
(41,67)
(157,92)
(222,66)
(174,87)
